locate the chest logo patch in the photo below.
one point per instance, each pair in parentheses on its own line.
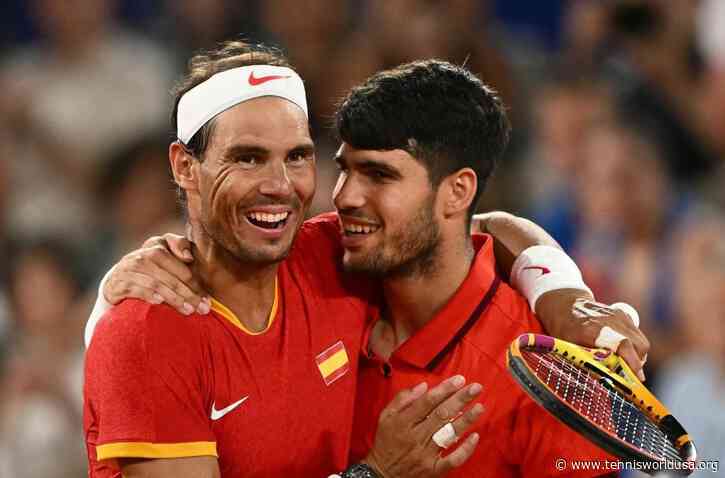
(333,363)
(217,414)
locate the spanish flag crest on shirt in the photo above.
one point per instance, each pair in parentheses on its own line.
(333,362)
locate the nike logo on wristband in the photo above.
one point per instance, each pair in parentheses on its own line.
(254,81)
(544,270)
(217,414)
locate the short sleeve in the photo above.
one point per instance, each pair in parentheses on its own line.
(545,443)
(318,251)
(319,241)
(146,387)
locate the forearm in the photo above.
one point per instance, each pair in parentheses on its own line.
(537,267)
(554,309)
(512,235)
(554,287)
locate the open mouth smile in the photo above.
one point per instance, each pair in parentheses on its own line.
(358,228)
(268,220)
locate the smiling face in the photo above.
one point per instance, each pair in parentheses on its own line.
(256,180)
(387,210)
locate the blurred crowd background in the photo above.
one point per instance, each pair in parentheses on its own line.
(618,109)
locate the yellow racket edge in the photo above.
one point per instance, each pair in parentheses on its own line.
(609,365)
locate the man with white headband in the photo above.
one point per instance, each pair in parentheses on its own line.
(137,283)
(264,385)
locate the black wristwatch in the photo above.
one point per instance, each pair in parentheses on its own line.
(358,470)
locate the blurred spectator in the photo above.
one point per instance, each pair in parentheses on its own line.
(564,112)
(460,31)
(655,69)
(692,382)
(40,410)
(88,87)
(186,26)
(586,32)
(138,197)
(313,41)
(630,211)
(711,38)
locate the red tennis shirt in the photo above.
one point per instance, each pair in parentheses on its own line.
(275,403)
(470,336)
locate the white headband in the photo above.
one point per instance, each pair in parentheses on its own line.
(231,87)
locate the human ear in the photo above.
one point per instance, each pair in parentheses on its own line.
(458,191)
(182,167)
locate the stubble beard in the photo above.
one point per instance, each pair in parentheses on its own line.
(224,239)
(414,249)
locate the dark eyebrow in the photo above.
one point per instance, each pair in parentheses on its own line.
(370,164)
(242,149)
(305,147)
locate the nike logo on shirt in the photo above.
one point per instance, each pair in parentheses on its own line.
(217,414)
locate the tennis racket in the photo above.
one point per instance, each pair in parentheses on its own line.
(594,392)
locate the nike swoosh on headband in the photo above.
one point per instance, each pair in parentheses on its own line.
(254,81)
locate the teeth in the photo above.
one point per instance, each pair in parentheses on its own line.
(265,217)
(360,229)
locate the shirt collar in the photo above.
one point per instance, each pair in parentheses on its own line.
(430,344)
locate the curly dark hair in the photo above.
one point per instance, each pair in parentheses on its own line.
(440,113)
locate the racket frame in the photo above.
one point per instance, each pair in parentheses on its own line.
(612,367)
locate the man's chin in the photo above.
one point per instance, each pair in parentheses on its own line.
(361,265)
(264,254)
(275,256)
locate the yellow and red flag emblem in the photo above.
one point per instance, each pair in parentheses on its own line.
(333,362)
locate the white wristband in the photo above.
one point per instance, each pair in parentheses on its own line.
(99,309)
(541,269)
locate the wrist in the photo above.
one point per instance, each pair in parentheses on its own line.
(554,309)
(359,470)
(542,269)
(372,462)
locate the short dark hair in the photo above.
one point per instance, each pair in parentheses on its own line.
(207,63)
(440,113)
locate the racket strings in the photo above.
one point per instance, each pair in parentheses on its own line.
(604,407)
(625,420)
